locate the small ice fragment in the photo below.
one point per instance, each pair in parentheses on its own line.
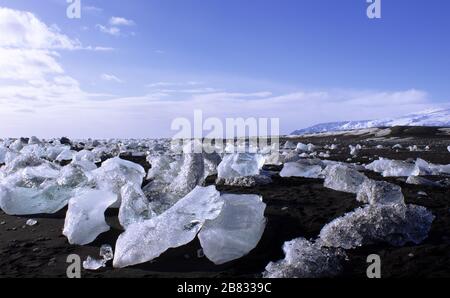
(106,252)
(93,264)
(31,222)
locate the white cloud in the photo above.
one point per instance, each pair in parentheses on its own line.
(119,21)
(31,75)
(173,84)
(110,78)
(108,30)
(20,29)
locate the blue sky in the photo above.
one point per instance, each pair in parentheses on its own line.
(134,66)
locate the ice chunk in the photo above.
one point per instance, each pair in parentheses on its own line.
(393,168)
(66,154)
(249,181)
(354,150)
(161,167)
(191,174)
(416,180)
(305,259)
(395,224)
(17,145)
(37,150)
(145,241)
(115,173)
(34,140)
(93,264)
(21,161)
(26,201)
(448,148)
(302,147)
(342,178)
(240,165)
(236,231)
(426,168)
(380,192)
(301,169)
(134,207)
(3,151)
(72,176)
(85,218)
(289,145)
(53,152)
(86,155)
(106,252)
(275,158)
(31,222)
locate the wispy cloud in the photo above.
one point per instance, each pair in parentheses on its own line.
(119,21)
(110,78)
(115,31)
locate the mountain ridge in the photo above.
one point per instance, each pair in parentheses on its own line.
(433,117)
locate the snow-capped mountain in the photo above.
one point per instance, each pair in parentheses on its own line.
(425,118)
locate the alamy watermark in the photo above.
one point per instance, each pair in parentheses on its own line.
(234,135)
(374,9)
(73,9)
(374,269)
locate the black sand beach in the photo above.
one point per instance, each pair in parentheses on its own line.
(296,207)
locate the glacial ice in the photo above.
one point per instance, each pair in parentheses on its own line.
(31,222)
(236,231)
(19,200)
(144,241)
(85,218)
(115,173)
(354,150)
(342,178)
(289,145)
(107,254)
(380,192)
(416,180)
(248,181)
(173,178)
(305,259)
(93,264)
(3,151)
(65,155)
(240,165)
(393,168)
(135,206)
(396,224)
(426,168)
(301,169)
